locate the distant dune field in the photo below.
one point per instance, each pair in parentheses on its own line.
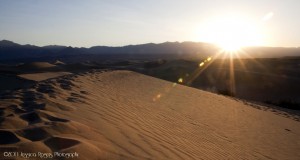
(42,76)
(127,115)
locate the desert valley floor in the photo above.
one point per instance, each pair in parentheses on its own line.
(127,115)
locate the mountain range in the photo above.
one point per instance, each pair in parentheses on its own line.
(11,51)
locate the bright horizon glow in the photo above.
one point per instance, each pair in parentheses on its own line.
(117,23)
(231,32)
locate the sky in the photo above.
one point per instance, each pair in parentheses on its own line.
(86,23)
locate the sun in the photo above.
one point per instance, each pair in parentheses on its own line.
(230,33)
(230,46)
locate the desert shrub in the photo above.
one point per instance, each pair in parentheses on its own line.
(154,64)
(122,63)
(290,104)
(226,92)
(286,103)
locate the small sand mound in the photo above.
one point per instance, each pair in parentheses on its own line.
(51,117)
(16,109)
(12,122)
(57,62)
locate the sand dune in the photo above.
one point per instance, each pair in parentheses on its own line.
(126,115)
(36,65)
(43,76)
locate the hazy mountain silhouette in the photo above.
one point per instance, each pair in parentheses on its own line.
(161,48)
(10,51)
(6,43)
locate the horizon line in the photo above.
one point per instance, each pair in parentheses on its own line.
(210,43)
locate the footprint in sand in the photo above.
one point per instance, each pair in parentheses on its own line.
(32,105)
(59,143)
(34,134)
(31,117)
(65,84)
(8,137)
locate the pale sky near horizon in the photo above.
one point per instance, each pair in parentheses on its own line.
(85,23)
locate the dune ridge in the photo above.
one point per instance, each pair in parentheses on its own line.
(42,76)
(126,115)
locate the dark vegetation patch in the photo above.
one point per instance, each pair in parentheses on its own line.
(289,104)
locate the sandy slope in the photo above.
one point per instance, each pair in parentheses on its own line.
(42,76)
(126,115)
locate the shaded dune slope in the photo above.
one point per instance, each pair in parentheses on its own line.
(36,66)
(126,115)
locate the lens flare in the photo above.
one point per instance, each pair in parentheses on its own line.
(208,59)
(180,80)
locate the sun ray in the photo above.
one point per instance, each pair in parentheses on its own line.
(231,75)
(201,68)
(222,62)
(262,67)
(241,62)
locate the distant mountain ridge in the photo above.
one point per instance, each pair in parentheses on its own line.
(13,51)
(6,43)
(10,50)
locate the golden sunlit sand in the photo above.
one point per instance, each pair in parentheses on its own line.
(149,80)
(126,115)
